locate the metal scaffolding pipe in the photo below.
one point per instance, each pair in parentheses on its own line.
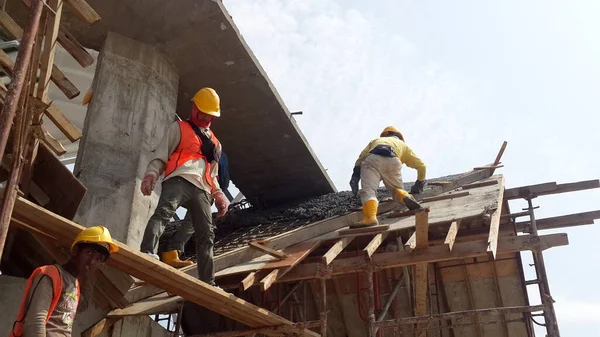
(457,315)
(542,277)
(9,109)
(13,100)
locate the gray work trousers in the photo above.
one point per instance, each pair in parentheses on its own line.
(177,192)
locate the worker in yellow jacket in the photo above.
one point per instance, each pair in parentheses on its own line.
(381,160)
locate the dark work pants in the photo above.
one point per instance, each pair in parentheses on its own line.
(176,192)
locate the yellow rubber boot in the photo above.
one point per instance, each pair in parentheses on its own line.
(172,259)
(406,199)
(369,215)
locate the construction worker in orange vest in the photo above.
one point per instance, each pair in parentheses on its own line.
(52,292)
(188,155)
(381,160)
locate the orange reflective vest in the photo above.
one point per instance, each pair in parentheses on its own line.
(190,148)
(52,272)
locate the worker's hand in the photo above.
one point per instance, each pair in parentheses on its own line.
(354,180)
(417,188)
(222,203)
(149,183)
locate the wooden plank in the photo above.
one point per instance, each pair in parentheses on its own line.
(447,196)
(152,271)
(57,117)
(525,191)
(84,11)
(74,48)
(102,326)
(267,250)
(336,249)
(432,254)
(500,153)
(374,244)
(549,188)
(71,45)
(58,182)
(283,240)
(451,236)
(364,231)
(47,58)
(52,143)
(248,281)
(63,124)
(495,223)
(421,269)
(276,274)
(561,221)
(401,214)
(295,252)
(159,304)
(63,83)
(411,243)
(480,184)
(265,262)
(422,229)
(421,289)
(488,167)
(57,76)
(9,26)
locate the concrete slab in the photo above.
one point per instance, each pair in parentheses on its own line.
(271,161)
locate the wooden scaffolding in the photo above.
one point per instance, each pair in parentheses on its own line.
(466,227)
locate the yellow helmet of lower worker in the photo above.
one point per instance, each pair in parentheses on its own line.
(97,234)
(207,101)
(390,130)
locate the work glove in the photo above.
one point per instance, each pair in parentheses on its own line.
(221,203)
(417,188)
(149,183)
(355,180)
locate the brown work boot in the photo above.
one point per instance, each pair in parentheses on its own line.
(172,259)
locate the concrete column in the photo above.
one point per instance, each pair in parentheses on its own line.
(135,96)
(11,294)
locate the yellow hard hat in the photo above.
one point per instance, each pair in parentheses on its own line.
(207,101)
(392,130)
(97,234)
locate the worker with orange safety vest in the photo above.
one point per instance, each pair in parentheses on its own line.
(52,292)
(188,155)
(382,159)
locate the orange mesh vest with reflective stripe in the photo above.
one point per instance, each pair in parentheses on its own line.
(190,148)
(52,272)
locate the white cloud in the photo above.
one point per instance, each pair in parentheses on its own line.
(351,76)
(575,311)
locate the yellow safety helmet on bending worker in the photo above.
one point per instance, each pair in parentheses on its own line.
(390,130)
(207,101)
(98,235)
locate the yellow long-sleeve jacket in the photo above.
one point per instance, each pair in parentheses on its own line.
(402,151)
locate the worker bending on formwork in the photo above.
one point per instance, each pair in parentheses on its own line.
(188,155)
(381,160)
(52,292)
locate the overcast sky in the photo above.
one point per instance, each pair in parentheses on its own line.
(458,78)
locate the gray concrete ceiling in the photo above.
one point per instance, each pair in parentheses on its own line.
(270,160)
